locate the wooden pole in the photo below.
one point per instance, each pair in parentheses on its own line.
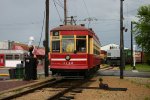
(46,39)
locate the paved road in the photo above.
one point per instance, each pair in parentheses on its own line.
(4,72)
(108,71)
(126,73)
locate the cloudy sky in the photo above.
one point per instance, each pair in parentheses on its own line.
(20,19)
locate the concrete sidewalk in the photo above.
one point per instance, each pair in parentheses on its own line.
(4,72)
(108,67)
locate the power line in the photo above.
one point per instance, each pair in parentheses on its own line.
(89,19)
(42,30)
(60,4)
(108,20)
(12,24)
(133,10)
(57,10)
(109,30)
(86,8)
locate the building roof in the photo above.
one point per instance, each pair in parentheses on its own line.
(39,51)
(20,46)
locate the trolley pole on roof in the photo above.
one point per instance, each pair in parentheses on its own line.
(65,12)
(46,69)
(122,60)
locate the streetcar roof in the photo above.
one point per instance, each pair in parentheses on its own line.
(74,28)
(71,28)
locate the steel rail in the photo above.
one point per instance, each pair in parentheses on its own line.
(28,90)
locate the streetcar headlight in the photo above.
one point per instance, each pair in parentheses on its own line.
(68,57)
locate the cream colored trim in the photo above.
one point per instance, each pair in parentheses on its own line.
(60,43)
(87,48)
(91,45)
(75,40)
(50,42)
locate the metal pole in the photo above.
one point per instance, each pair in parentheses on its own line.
(122,62)
(65,12)
(131,44)
(46,39)
(134,60)
(142,58)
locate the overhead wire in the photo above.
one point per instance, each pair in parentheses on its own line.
(42,30)
(57,10)
(61,3)
(87,12)
(86,8)
(12,24)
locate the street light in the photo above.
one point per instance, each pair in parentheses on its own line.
(132,48)
(134,60)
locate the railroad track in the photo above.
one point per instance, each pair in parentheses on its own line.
(50,90)
(14,93)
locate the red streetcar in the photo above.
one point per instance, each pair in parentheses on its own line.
(74,50)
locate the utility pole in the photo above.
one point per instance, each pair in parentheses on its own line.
(65,12)
(46,39)
(131,44)
(122,60)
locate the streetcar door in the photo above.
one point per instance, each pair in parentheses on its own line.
(2,60)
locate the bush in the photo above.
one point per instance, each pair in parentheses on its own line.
(148,61)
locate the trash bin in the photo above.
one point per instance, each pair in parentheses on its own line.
(12,73)
(19,71)
(30,68)
(19,66)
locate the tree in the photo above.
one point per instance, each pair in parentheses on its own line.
(142,28)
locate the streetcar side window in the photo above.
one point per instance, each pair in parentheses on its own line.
(81,43)
(96,48)
(56,46)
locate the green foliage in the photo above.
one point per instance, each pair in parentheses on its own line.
(139,67)
(142,28)
(148,62)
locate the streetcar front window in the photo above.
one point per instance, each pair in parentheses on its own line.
(81,43)
(56,46)
(68,44)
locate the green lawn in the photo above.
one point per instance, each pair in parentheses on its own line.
(139,67)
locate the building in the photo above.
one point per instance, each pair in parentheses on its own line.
(111,46)
(12,53)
